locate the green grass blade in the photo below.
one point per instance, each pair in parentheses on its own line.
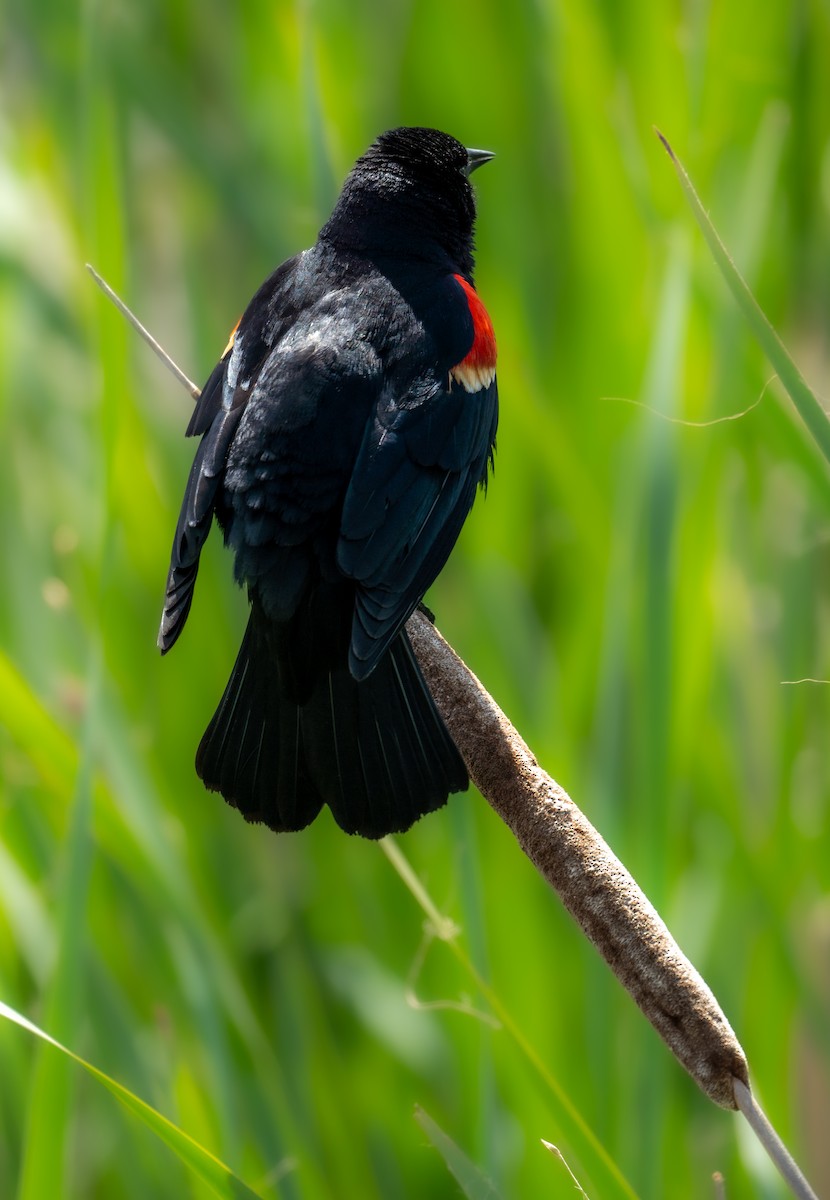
(811,412)
(204,1165)
(473,1183)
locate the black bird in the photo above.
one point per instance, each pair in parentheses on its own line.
(344,433)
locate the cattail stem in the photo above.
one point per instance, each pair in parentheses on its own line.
(769,1139)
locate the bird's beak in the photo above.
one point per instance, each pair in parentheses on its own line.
(476,158)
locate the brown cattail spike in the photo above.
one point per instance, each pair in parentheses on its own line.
(591,882)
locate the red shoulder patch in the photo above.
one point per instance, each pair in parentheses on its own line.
(477,369)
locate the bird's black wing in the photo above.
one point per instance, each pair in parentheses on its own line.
(423,455)
(216,416)
(195,520)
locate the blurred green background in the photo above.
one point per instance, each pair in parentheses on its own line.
(633,591)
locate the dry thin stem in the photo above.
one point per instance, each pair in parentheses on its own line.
(687,424)
(557,1153)
(145,333)
(591,882)
(769,1139)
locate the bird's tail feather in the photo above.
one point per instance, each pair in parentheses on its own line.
(377,752)
(251,751)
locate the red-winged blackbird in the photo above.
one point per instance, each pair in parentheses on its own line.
(344,433)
